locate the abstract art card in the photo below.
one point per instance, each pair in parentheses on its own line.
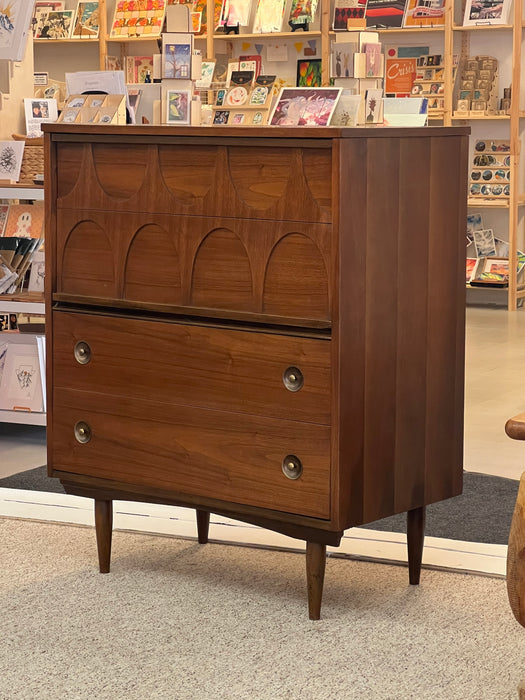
(57,25)
(86,24)
(269,16)
(202,7)
(305,106)
(479,12)
(385,14)
(15,19)
(138,18)
(21,386)
(309,72)
(302,11)
(420,14)
(178,107)
(349,13)
(11,154)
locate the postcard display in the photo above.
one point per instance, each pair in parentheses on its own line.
(246,101)
(94,109)
(430,81)
(357,65)
(478,87)
(180,68)
(490,170)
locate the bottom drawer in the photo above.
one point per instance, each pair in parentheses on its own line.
(228,456)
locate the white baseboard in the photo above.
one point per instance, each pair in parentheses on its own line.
(180,522)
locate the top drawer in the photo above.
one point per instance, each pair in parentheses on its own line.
(292,183)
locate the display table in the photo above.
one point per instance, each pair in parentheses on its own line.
(265,323)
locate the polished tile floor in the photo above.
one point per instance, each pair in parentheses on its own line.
(494,391)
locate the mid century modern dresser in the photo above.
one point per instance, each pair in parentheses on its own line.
(262,323)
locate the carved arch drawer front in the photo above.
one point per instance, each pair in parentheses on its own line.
(244,459)
(281,376)
(279,268)
(198,179)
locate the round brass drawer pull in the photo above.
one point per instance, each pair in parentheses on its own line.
(293,379)
(82,352)
(292,467)
(82,432)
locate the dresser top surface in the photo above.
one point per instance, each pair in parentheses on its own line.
(149,132)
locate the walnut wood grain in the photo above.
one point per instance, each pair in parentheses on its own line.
(212,367)
(315,570)
(516,556)
(231,456)
(340,248)
(104,532)
(203,526)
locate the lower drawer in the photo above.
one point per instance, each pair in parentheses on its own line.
(228,456)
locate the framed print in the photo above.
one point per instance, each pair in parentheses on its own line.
(486,12)
(491,272)
(178,107)
(86,21)
(15,20)
(309,72)
(305,106)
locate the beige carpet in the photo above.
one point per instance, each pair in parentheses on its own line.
(187,622)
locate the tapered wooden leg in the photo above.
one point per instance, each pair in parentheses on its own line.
(203,526)
(315,566)
(415,540)
(104,530)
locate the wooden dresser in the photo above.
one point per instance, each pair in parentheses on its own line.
(262,323)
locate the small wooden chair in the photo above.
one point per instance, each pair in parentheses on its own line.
(515,428)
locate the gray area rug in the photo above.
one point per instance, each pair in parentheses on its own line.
(483,512)
(175,620)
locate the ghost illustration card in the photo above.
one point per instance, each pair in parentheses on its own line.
(25,220)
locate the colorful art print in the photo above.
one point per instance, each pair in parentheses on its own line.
(237,96)
(207,68)
(38,20)
(202,7)
(177,61)
(382,14)
(491,271)
(15,17)
(4,211)
(142,69)
(253,63)
(221,95)
(138,18)
(221,116)
(11,154)
(258,118)
(309,72)
(486,12)
(471,264)
(235,13)
(259,95)
(348,11)
(305,106)
(269,16)
(373,106)
(196,21)
(178,106)
(400,74)
(238,118)
(86,24)
(421,13)
(373,63)
(57,25)
(302,11)
(25,221)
